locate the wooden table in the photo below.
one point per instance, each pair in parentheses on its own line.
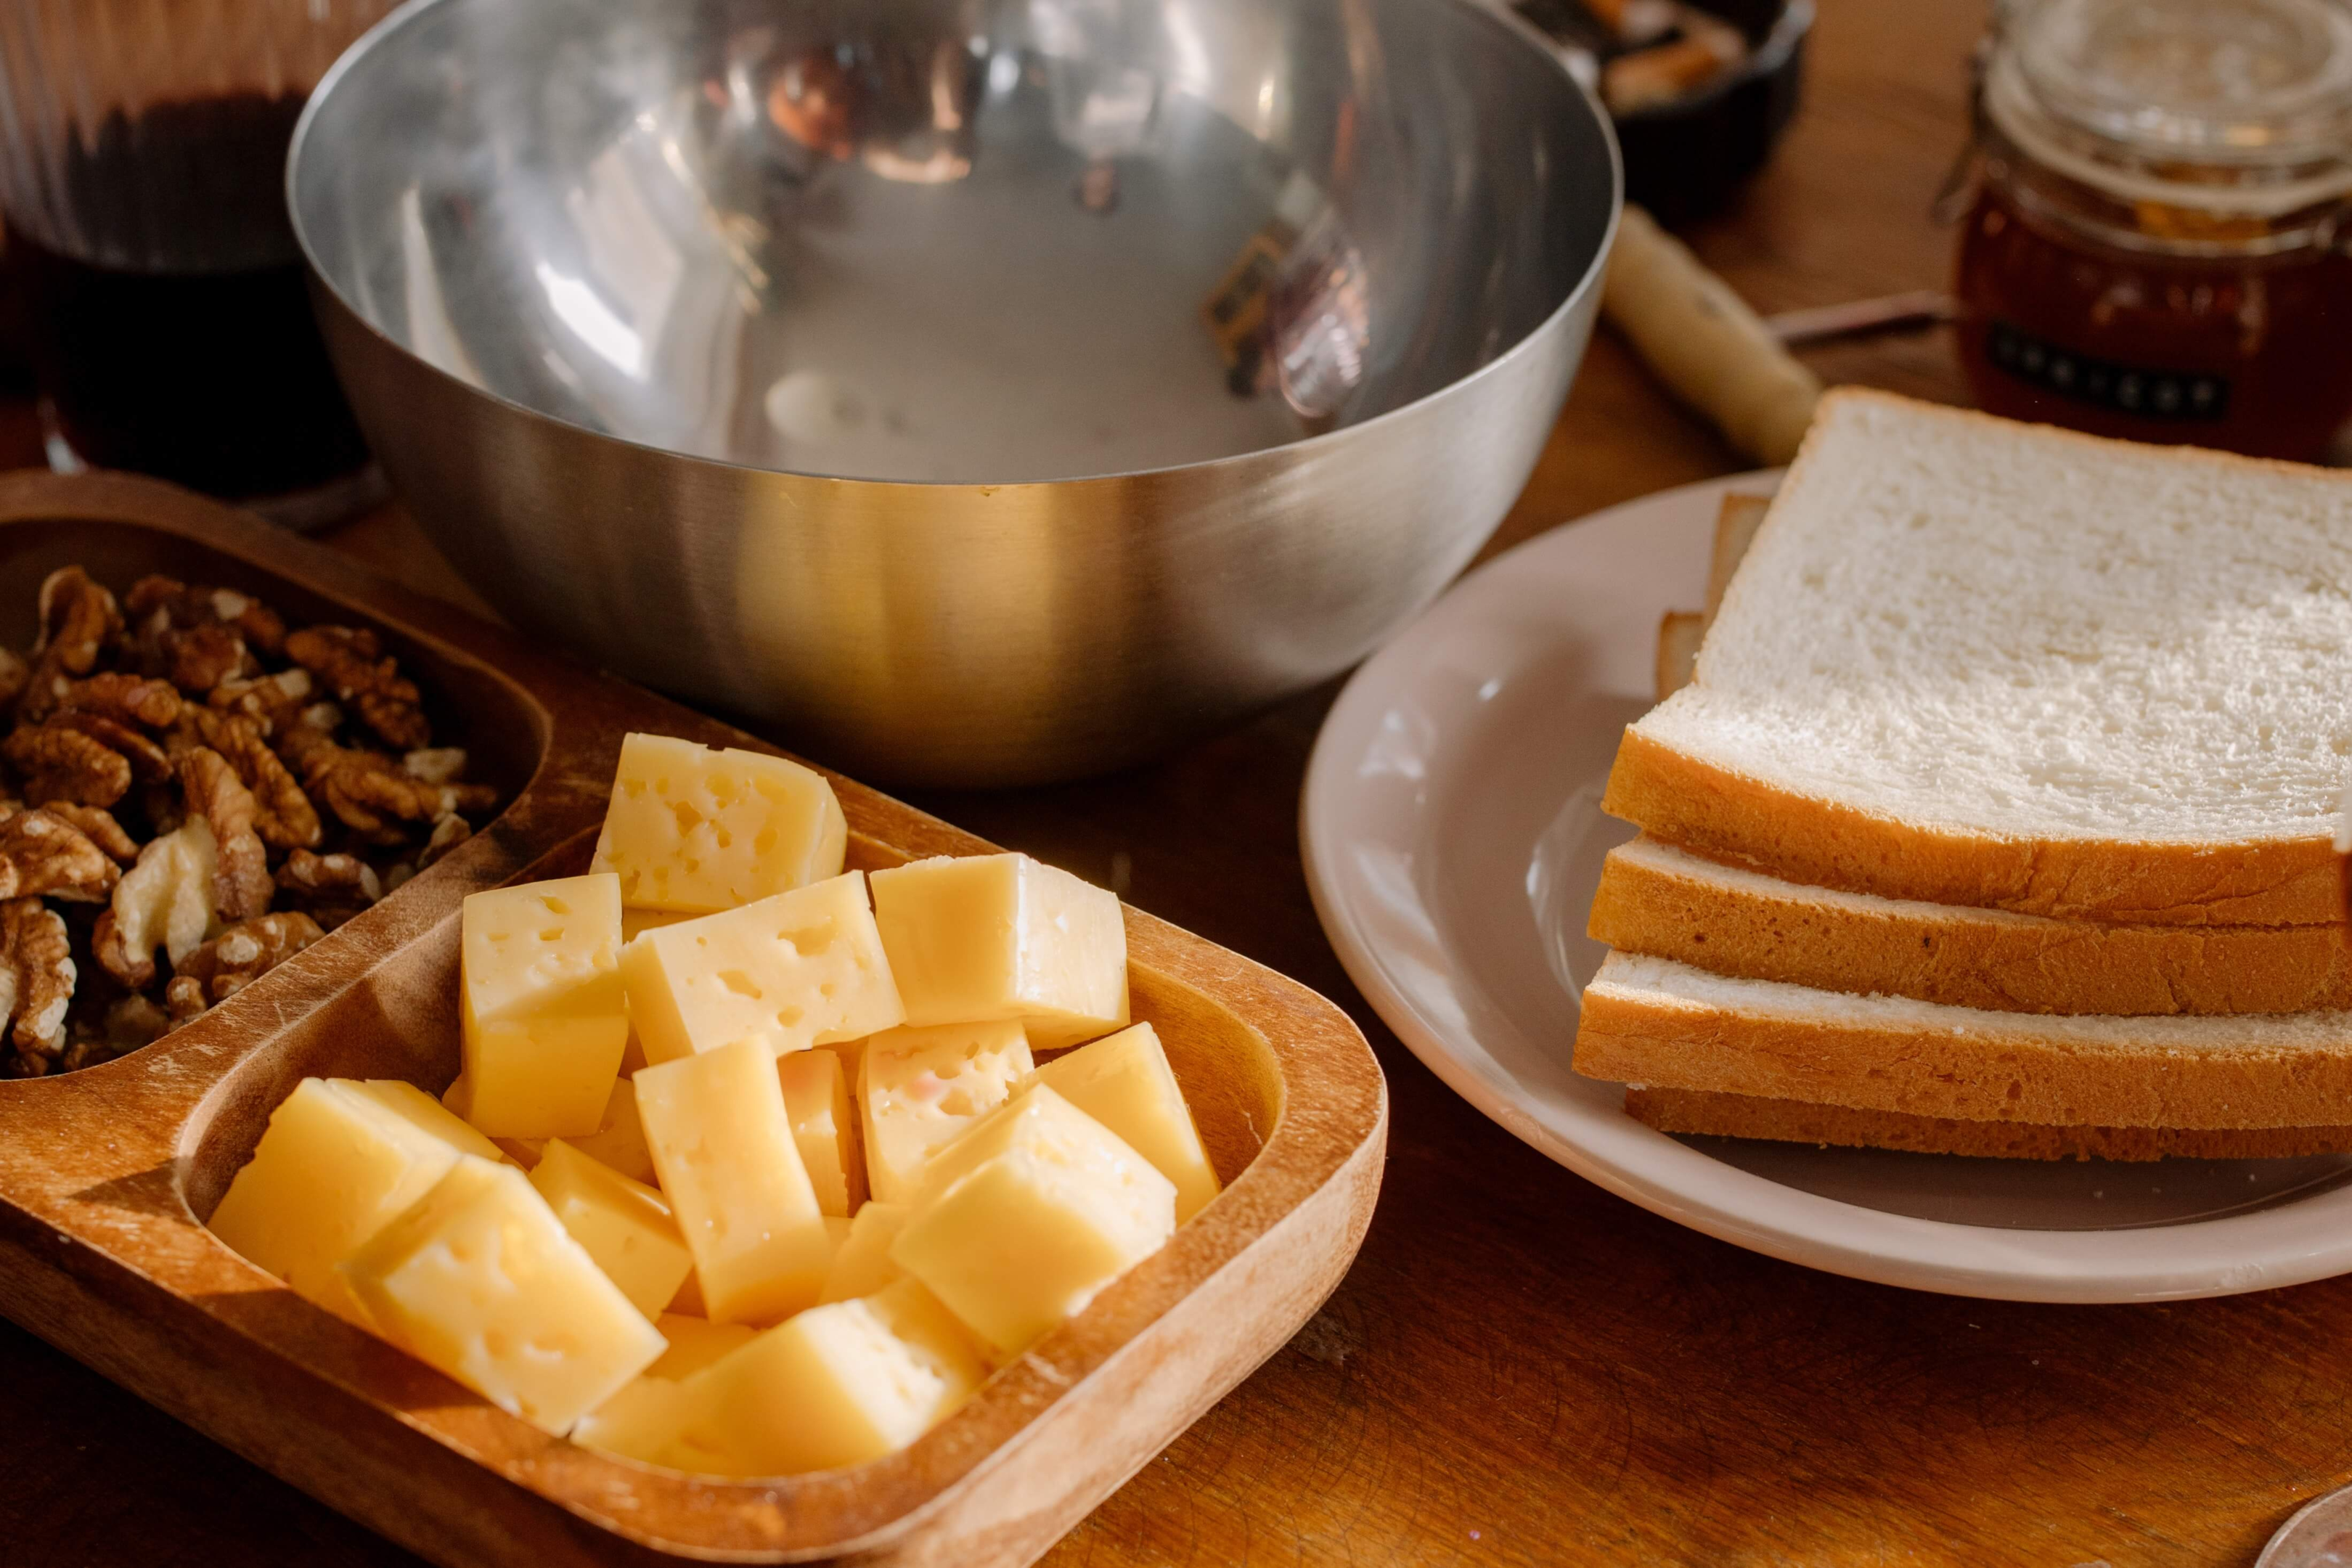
(1522,1369)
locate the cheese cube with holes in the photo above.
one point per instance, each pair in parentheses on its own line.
(479,1279)
(340,1159)
(1125,1082)
(624,1224)
(837,1386)
(861,1264)
(824,1128)
(723,1145)
(691,828)
(1023,1220)
(918,1089)
(797,970)
(1005,936)
(544,1018)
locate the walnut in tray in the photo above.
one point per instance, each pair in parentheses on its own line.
(190,793)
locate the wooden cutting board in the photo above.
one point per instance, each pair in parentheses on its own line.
(106,1173)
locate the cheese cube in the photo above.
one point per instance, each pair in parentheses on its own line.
(837,1386)
(624,1224)
(620,1140)
(1005,936)
(636,921)
(643,1421)
(862,1264)
(723,1145)
(793,971)
(339,1162)
(688,1303)
(695,1343)
(544,1018)
(824,1128)
(918,1089)
(691,828)
(1125,1083)
(1027,1218)
(477,1278)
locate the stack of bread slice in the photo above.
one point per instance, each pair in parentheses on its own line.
(1998,814)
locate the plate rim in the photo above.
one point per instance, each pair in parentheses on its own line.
(2227,1255)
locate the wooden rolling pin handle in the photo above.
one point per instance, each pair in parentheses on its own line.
(1702,340)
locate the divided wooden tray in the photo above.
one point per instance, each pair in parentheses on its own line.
(105,1175)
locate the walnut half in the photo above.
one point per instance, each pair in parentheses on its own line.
(242,955)
(37,982)
(166,900)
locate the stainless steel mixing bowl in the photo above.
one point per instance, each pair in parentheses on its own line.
(972,390)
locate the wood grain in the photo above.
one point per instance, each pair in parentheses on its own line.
(1520,1369)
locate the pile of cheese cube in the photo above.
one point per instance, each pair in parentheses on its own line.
(640,1216)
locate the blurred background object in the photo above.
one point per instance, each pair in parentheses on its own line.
(142,147)
(1700,94)
(972,391)
(2157,247)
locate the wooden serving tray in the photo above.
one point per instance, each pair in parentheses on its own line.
(106,1174)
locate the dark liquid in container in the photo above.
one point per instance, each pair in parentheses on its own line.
(212,373)
(2247,354)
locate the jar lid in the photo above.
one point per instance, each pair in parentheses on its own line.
(2223,105)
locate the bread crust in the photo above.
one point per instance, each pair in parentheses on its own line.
(1965,957)
(1793,1121)
(1744,821)
(2009,1074)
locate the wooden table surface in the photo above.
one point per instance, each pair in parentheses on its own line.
(1520,1369)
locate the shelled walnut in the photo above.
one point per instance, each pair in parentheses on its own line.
(191,792)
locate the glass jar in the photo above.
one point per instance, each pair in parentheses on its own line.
(2156,249)
(142,171)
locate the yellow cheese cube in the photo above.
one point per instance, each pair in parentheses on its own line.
(620,1140)
(1125,1083)
(1005,936)
(624,1224)
(1027,1216)
(634,922)
(544,1018)
(695,1343)
(824,1127)
(643,1421)
(920,1089)
(340,1159)
(691,828)
(837,1386)
(477,1278)
(716,1124)
(862,1264)
(688,1303)
(792,970)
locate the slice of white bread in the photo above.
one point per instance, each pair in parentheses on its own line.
(1970,661)
(1680,632)
(1793,1121)
(1736,522)
(1654,1023)
(1657,899)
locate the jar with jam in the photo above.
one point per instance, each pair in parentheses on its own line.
(2160,246)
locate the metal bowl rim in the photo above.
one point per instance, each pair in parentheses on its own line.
(402,15)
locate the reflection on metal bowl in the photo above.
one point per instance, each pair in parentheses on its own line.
(973,391)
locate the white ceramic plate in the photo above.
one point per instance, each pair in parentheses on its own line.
(1453,839)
